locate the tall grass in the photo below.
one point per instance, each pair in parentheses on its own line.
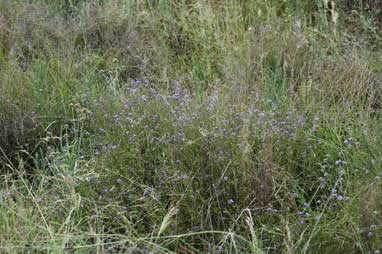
(189,127)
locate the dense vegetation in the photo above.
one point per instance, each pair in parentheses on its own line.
(190,126)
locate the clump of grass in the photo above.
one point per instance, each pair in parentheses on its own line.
(188,127)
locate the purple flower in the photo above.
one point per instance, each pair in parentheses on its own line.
(119,180)
(370,234)
(306,205)
(340,198)
(299,121)
(148,191)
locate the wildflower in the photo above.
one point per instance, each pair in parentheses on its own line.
(370,234)
(119,180)
(321,179)
(306,205)
(148,191)
(225,178)
(230,201)
(340,198)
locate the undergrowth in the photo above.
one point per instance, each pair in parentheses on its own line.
(190,127)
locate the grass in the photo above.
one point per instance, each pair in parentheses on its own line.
(190,127)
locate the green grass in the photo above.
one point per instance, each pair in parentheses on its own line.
(190,127)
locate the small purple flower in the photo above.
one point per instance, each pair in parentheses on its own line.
(321,179)
(295,195)
(299,121)
(148,191)
(370,234)
(306,205)
(106,190)
(225,178)
(340,198)
(119,180)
